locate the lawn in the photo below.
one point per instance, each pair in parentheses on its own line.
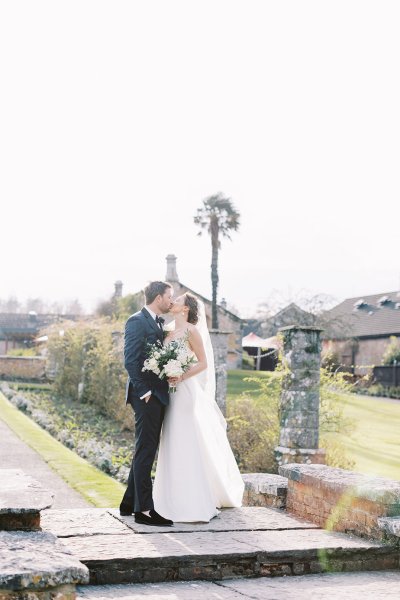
(97,487)
(237,384)
(375,443)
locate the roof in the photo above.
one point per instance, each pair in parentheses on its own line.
(254,341)
(27,324)
(289,315)
(209,302)
(366,316)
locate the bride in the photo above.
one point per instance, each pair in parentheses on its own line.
(196,470)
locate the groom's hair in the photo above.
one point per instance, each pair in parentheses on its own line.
(154,288)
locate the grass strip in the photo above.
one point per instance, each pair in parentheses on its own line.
(96,487)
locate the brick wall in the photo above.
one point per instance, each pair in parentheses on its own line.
(22,367)
(368,352)
(341,500)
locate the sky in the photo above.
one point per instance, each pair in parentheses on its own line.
(118,118)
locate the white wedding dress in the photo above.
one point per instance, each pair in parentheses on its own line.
(196,470)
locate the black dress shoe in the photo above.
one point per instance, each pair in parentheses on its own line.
(149,520)
(161,520)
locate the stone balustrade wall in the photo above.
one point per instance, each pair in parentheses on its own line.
(342,500)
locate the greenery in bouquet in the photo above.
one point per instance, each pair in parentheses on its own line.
(171,360)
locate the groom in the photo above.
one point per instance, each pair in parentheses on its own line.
(148,396)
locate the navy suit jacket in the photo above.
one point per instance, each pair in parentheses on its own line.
(141,329)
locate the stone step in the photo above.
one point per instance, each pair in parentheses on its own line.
(21,500)
(243,542)
(37,565)
(348,586)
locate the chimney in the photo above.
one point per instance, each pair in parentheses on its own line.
(118,289)
(223,303)
(172,275)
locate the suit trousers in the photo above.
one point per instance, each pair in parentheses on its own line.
(148,422)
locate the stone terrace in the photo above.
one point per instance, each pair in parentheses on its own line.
(243,542)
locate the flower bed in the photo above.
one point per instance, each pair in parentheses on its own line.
(95,437)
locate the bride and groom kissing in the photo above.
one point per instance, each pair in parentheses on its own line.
(196,471)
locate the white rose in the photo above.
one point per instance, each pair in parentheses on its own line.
(173,368)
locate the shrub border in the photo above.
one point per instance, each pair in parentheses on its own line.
(96,487)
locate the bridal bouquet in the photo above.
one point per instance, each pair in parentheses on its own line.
(171,360)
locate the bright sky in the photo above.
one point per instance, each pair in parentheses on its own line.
(118,118)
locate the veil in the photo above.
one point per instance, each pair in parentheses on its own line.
(206,378)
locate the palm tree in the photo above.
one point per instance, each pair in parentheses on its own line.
(219,217)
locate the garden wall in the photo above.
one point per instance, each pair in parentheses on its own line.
(342,500)
(22,367)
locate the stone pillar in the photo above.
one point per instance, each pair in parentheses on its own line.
(299,405)
(219,340)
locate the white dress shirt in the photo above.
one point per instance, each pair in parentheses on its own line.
(153,316)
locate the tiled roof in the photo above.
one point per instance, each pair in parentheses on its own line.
(366,316)
(26,324)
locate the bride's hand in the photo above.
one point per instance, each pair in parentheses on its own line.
(174,380)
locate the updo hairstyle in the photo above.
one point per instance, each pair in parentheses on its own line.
(193,305)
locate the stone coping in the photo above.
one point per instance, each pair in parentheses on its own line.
(390,525)
(37,561)
(21,494)
(265,483)
(375,489)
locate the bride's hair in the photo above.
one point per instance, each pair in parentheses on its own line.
(193,305)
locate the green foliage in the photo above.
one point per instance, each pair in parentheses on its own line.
(219,217)
(253,419)
(128,305)
(23,352)
(121,308)
(98,488)
(377,389)
(88,366)
(391,355)
(66,355)
(253,423)
(330,360)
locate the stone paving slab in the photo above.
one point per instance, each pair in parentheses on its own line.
(82,522)
(20,493)
(37,560)
(102,547)
(328,586)
(216,556)
(229,519)
(291,542)
(185,590)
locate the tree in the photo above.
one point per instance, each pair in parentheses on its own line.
(219,217)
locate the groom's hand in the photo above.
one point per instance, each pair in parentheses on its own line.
(147,398)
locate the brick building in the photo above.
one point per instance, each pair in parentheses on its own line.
(228,321)
(19,330)
(360,329)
